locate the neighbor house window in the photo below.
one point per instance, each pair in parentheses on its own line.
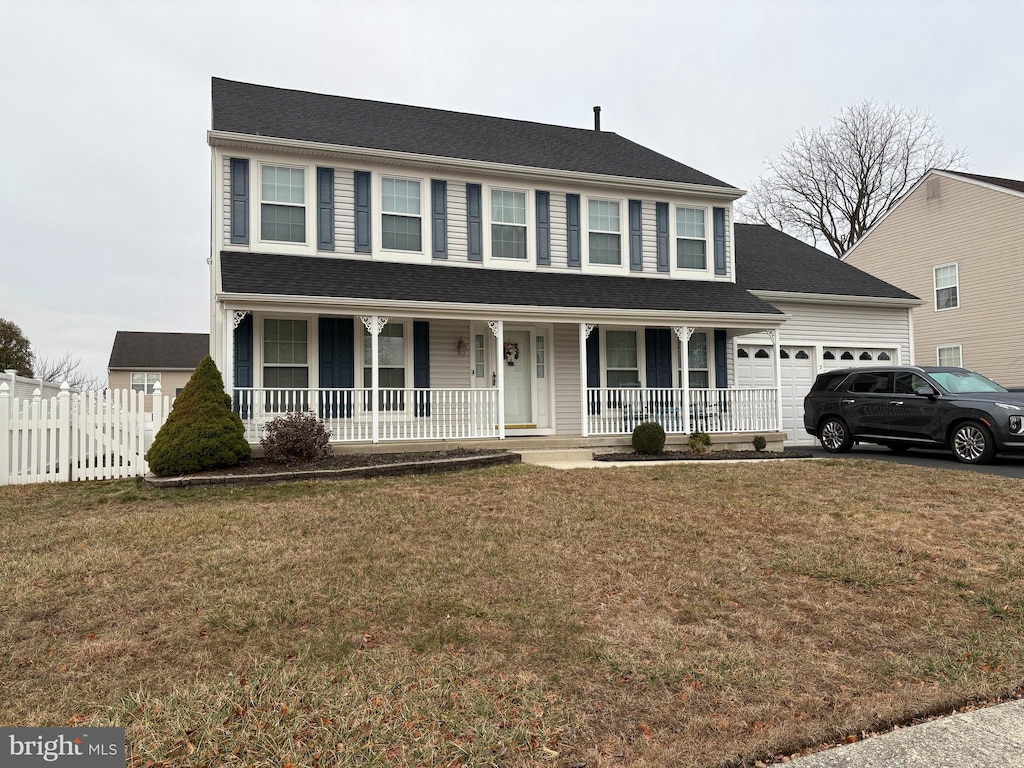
(285,363)
(508,224)
(144,382)
(947,287)
(401,225)
(283,204)
(697,359)
(622,360)
(691,239)
(605,237)
(951,356)
(390,365)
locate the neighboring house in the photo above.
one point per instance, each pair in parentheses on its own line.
(957,240)
(417,274)
(139,360)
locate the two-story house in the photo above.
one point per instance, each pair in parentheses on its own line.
(957,240)
(418,274)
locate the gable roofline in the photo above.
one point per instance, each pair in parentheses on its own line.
(995,183)
(834,298)
(251,142)
(969,178)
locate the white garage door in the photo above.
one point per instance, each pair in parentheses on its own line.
(754,368)
(855,357)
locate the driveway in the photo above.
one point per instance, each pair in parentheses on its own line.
(1004,466)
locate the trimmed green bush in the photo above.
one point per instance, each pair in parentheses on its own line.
(296,437)
(648,438)
(759,443)
(201,432)
(700,442)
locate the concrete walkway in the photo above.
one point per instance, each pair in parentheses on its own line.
(986,738)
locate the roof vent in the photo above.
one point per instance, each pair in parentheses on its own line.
(597,118)
(932,190)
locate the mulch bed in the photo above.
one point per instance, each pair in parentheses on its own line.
(263,466)
(709,456)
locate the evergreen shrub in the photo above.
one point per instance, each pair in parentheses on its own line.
(648,438)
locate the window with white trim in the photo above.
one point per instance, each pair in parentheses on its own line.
(478,355)
(947,287)
(508,224)
(391,365)
(697,359)
(605,238)
(282,204)
(621,359)
(691,239)
(285,354)
(145,382)
(402,215)
(951,356)
(541,356)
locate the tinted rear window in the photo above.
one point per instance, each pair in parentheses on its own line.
(829,382)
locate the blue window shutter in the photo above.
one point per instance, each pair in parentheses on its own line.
(337,365)
(240,202)
(439,217)
(325,209)
(659,357)
(572,215)
(636,243)
(243,361)
(594,366)
(362,181)
(474,221)
(721,366)
(719,217)
(543,229)
(661,219)
(421,365)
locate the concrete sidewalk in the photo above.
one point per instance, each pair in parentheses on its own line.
(986,738)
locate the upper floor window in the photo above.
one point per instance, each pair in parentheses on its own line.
(401,224)
(950,356)
(283,204)
(605,232)
(145,382)
(508,224)
(947,287)
(691,239)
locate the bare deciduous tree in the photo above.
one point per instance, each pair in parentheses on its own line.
(65,368)
(831,184)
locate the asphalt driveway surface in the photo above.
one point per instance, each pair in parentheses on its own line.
(1004,466)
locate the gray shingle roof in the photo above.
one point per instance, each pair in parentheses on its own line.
(159,351)
(770,260)
(282,113)
(338,278)
(1012,184)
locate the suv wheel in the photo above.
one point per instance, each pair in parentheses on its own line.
(834,436)
(972,443)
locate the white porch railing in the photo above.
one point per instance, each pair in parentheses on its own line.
(402,414)
(612,411)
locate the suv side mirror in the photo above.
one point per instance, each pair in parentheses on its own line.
(926,392)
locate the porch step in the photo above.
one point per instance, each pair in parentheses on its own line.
(560,456)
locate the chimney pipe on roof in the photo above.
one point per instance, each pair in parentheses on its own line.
(597,118)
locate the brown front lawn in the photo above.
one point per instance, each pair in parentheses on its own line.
(668,615)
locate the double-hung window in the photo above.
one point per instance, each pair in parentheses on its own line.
(390,366)
(951,356)
(402,216)
(508,224)
(691,239)
(697,360)
(285,364)
(947,287)
(622,361)
(145,382)
(283,204)
(605,232)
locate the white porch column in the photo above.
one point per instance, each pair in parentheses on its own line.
(773,334)
(683,333)
(585,330)
(498,329)
(374,325)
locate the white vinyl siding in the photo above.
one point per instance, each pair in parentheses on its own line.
(458,236)
(449,369)
(226,200)
(567,378)
(344,210)
(559,231)
(649,233)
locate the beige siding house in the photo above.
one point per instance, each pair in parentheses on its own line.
(957,241)
(139,360)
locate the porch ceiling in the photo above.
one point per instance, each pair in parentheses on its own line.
(336,280)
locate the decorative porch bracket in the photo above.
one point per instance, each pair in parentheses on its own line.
(237,316)
(374,325)
(683,333)
(498,329)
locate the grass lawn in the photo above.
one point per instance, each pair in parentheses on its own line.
(670,615)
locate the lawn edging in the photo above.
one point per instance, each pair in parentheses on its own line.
(431,466)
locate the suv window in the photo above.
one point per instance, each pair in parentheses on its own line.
(873,381)
(829,382)
(908,383)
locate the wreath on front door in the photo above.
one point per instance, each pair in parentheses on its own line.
(511,352)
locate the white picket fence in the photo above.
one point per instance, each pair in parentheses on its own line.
(97,435)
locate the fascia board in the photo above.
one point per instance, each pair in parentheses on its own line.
(833,298)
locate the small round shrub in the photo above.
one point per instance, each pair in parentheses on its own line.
(296,437)
(649,438)
(201,431)
(759,443)
(700,442)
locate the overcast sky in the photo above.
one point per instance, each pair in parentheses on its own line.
(104,204)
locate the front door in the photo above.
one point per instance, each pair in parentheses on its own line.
(516,359)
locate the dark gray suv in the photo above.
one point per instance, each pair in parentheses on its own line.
(904,407)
